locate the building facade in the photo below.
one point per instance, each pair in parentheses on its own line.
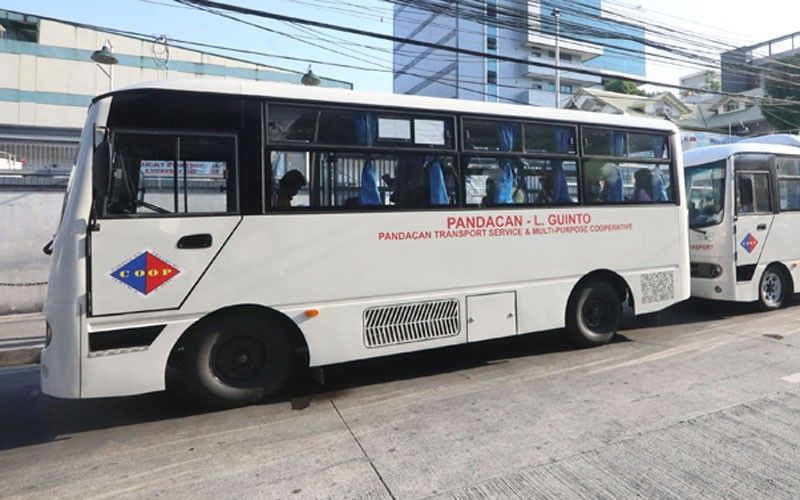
(47,80)
(589,38)
(743,67)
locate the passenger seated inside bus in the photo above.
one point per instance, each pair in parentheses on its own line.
(643,185)
(545,196)
(611,182)
(289,185)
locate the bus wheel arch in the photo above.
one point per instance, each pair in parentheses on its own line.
(280,335)
(594,308)
(776,270)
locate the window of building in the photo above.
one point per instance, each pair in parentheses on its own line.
(156,174)
(491,43)
(730,106)
(491,76)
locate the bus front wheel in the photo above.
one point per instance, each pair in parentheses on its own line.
(594,314)
(236,361)
(773,289)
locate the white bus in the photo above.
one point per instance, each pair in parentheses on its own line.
(236,231)
(744,216)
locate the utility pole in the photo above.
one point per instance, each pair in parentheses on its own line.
(557,14)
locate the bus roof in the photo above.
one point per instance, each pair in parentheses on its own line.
(710,154)
(299,92)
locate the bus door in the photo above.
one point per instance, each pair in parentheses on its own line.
(753,204)
(164,204)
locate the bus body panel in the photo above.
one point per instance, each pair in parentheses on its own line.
(543,269)
(65,305)
(138,266)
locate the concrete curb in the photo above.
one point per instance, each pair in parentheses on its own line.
(21,356)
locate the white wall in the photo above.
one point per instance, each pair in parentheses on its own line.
(27,221)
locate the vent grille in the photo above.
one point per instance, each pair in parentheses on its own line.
(404,323)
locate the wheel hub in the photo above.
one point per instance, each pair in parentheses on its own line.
(771,288)
(240,358)
(595,312)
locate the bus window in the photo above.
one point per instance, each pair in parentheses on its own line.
(752,193)
(487,135)
(290,179)
(622,143)
(494,181)
(206,177)
(705,192)
(626,182)
(143,176)
(549,139)
(789,182)
(354,180)
(145,180)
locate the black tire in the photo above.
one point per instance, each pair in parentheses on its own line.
(773,288)
(236,360)
(594,314)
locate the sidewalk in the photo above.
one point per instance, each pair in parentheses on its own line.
(21,339)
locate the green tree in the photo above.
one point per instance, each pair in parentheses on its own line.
(623,87)
(712,81)
(783,82)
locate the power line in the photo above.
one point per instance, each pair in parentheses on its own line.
(215,8)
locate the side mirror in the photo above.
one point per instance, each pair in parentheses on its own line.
(48,248)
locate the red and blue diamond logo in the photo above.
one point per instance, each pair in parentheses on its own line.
(145,273)
(749,243)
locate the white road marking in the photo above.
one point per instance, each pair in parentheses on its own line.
(794,378)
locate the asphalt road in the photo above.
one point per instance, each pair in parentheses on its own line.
(702,401)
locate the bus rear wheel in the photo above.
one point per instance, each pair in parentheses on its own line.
(236,361)
(594,314)
(773,289)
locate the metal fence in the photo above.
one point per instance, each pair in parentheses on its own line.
(41,155)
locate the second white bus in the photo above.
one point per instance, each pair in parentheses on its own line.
(744,216)
(235,231)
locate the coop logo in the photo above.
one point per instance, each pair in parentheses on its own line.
(145,273)
(749,243)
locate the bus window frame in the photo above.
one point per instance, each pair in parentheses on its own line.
(670,161)
(176,133)
(381,111)
(466,154)
(778,177)
(770,168)
(377,149)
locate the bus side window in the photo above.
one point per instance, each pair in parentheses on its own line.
(290,179)
(166,174)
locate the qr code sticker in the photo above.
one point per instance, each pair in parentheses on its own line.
(658,286)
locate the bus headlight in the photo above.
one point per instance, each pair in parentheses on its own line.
(715,271)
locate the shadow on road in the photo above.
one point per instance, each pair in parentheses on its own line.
(28,417)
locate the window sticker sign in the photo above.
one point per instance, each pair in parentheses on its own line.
(394,129)
(429,132)
(204,169)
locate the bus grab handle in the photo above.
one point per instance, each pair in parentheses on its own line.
(203,240)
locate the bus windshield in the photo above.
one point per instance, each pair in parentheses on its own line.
(705,192)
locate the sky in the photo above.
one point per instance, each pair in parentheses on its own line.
(711,18)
